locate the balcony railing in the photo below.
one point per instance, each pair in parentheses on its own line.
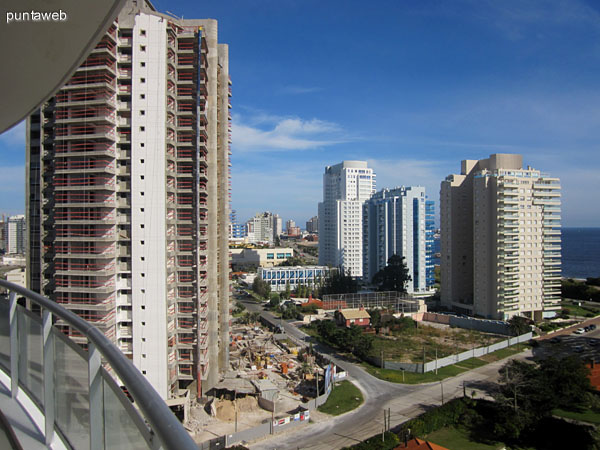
(71,387)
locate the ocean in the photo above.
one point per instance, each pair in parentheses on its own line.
(580,252)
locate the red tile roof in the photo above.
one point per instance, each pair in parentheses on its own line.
(419,444)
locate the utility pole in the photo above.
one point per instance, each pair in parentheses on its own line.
(382,363)
(436,371)
(442,386)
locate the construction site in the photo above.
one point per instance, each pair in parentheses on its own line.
(270,378)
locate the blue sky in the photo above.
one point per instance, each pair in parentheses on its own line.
(411,86)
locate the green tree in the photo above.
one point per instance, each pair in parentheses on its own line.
(261,287)
(519,325)
(527,393)
(287,291)
(340,282)
(394,276)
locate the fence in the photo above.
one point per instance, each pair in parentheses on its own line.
(400,303)
(451,359)
(276,425)
(470,323)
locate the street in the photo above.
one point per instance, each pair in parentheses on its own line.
(404,401)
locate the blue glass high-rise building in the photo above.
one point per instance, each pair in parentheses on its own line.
(394,222)
(429,242)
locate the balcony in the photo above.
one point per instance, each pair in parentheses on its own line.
(55,394)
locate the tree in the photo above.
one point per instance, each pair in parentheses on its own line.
(519,325)
(339,282)
(261,287)
(288,291)
(528,393)
(394,276)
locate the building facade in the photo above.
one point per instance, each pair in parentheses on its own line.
(280,277)
(501,239)
(346,186)
(260,228)
(253,258)
(128,208)
(312,225)
(394,224)
(236,230)
(429,243)
(15,235)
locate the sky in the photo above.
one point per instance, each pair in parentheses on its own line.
(410,86)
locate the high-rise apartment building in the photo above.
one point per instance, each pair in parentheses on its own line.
(277,226)
(501,239)
(394,224)
(260,228)
(346,186)
(429,242)
(312,225)
(127,199)
(236,230)
(289,224)
(15,232)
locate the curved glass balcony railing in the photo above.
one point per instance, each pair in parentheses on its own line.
(72,388)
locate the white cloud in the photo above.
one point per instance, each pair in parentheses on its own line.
(299,90)
(290,133)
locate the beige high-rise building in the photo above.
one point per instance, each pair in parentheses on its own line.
(501,239)
(127,202)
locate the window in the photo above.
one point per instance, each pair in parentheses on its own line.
(142,112)
(142,64)
(142,129)
(142,32)
(142,48)
(142,80)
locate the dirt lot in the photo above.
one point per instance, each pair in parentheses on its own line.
(407,345)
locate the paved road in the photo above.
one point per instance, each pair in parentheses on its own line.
(404,401)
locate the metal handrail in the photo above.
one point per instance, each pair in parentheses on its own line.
(163,422)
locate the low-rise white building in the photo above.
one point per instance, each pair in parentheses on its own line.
(252,258)
(279,277)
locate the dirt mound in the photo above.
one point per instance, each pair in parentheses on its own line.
(225,410)
(247,404)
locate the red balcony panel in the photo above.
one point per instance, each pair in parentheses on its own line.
(85,164)
(84,197)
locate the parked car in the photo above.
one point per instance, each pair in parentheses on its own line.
(579,331)
(554,340)
(587,329)
(578,348)
(592,327)
(592,342)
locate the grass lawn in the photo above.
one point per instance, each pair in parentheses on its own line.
(458,439)
(575,310)
(396,376)
(344,397)
(584,416)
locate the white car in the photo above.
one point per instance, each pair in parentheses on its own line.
(579,331)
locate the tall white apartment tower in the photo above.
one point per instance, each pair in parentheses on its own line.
(346,186)
(15,234)
(128,196)
(501,239)
(394,224)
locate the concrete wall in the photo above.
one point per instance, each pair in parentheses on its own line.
(470,323)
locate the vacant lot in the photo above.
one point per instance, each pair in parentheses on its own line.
(410,344)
